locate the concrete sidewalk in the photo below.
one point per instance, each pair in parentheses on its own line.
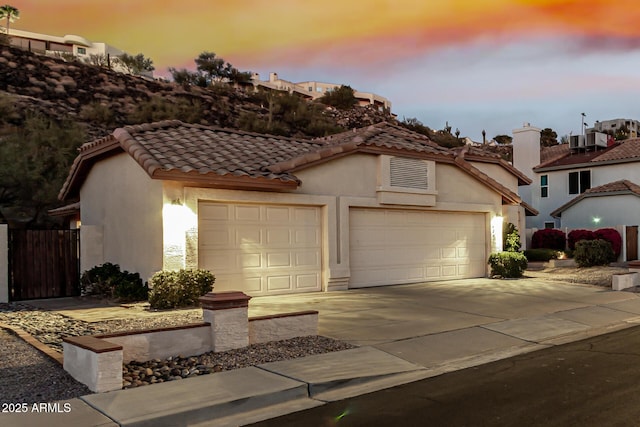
(405,333)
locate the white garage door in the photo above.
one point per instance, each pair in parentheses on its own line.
(261,249)
(400,246)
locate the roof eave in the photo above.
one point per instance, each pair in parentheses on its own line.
(229,181)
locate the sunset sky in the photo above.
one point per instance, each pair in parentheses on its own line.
(478,64)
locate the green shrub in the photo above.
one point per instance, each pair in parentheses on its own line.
(183,288)
(507,264)
(108,281)
(593,252)
(541,254)
(511,238)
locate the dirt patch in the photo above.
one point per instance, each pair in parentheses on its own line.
(599,276)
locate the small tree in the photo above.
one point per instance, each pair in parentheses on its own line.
(98,60)
(503,139)
(510,238)
(548,137)
(137,64)
(342,98)
(9,13)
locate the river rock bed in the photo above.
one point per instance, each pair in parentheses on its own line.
(136,374)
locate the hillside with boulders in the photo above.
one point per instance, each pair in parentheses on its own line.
(101,99)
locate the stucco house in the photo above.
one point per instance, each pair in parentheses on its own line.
(269,215)
(581,187)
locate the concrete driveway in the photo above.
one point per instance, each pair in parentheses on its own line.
(461,317)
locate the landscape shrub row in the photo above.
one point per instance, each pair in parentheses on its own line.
(168,289)
(555,239)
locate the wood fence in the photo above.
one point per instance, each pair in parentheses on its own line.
(43,264)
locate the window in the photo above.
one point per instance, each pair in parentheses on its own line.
(549,224)
(82,51)
(579,182)
(544,186)
(318,89)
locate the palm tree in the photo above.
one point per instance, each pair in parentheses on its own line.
(9,13)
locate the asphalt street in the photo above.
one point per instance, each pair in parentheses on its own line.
(594,382)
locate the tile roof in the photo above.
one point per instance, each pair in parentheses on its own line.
(625,151)
(621,187)
(553,152)
(227,158)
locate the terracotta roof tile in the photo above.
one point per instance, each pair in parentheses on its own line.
(628,150)
(213,156)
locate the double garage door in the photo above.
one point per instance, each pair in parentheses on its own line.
(277,249)
(389,246)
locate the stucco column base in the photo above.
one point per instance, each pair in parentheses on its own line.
(228,314)
(624,281)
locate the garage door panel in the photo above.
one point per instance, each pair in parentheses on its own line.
(261,249)
(278,237)
(246,236)
(307,259)
(307,281)
(247,213)
(277,214)
(279,283)
(278,260)
(390,246)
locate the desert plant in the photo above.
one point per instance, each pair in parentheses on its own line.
(593,252)
(183,288)
(549,238)
(510,238)
(507,264)
(108,281)
(575,236)
(541,254)
(612,236)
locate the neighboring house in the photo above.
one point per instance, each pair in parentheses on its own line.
(586,187)
(313,90)
(68,44)
(270,215)
(612,126)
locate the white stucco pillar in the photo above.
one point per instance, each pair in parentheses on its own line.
(228,313)
(4,263)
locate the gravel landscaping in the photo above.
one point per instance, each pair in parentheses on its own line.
(29,376)
(598,276)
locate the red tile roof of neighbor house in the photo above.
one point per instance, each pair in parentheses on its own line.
(226,158)
(613,188)
(624,151)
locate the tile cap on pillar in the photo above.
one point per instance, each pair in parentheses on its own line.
(224,300)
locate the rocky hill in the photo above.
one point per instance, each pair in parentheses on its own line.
(102,99)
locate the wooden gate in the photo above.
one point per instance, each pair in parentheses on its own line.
(43,264)
(632,242)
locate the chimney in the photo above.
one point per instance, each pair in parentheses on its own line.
(526,149)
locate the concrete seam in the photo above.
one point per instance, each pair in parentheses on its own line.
(95,408)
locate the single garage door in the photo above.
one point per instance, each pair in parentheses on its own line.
(389,246)
(261,249)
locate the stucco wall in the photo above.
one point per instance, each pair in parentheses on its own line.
(120,199)
(610,210)
(354,175)
(357,176)
(498,173)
